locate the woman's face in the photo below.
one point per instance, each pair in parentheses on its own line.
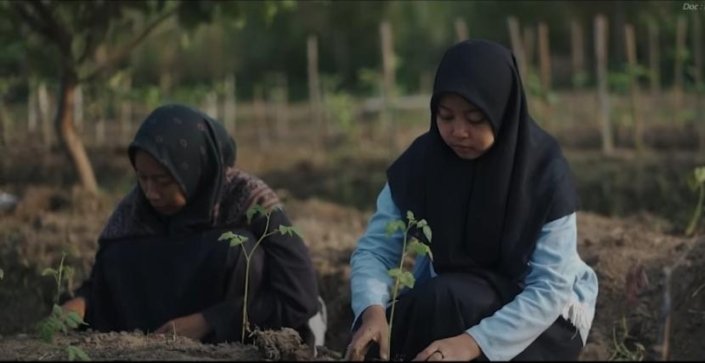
(157,184)
(463,127)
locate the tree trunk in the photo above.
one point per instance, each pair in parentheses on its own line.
(67,134)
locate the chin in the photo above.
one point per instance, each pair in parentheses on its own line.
(468,155)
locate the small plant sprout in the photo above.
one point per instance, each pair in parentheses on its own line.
(2,274)
(409,245)
(60,320)
(239,240)
(697,183)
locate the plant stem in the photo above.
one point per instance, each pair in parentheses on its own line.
(696,214)
(58,279)
(245,320)
(396,284)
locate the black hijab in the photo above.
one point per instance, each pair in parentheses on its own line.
(484,213)
(195,149)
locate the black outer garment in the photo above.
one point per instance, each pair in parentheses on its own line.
(141,281)
(484,213)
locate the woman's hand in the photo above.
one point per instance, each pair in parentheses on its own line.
(77,305)
(461,347)
(374,328)
(193,326)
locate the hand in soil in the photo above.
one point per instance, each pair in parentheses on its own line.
(77,304)
(374,328)
(192,326)
(461,347)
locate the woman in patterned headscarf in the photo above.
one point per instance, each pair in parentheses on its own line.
(160,266)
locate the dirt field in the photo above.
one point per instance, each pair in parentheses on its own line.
(628,254)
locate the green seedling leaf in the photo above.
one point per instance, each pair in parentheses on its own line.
(288,230)
(699,174)
(255,209)
(68,273)
(57,311)
(49,271)
(427,232)
(235,239)
(2,274)
(46,331)
(405,278)
(410,216)
(393,226)
(395,273)
(226,236)
(421,223)
(73,320)
(418,248)
(76,352)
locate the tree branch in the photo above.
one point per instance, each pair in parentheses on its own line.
(125,50)
(33,22)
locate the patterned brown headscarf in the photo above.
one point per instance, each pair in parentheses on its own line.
(200,155)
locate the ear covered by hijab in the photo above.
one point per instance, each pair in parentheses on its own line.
(485,213)
(195,149)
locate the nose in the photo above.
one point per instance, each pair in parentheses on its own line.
(150,191)
(461,130)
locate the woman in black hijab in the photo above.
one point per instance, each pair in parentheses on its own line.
(160,266)
(505,281)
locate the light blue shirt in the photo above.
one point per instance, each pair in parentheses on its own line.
(558,283)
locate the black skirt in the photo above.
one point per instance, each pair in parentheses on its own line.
(449,304)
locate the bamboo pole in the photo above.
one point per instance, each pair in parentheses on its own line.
(230,107)
(602,92)
(634,87)
(681,28)
(281,100)
(389,83)
(577,52)
(314,89)
(697,40)
(44,113)
(461,29)
(260,110)
(32,107)
(654,60)
(529,44)
(544,57)
(125,115)
(517,46)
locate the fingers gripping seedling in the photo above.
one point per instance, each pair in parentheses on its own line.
(409,245)
(239,240)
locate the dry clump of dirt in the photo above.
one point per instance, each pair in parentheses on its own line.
(278,345)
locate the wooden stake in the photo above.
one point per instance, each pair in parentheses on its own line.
(602,92)
(634,86)
(461,29)
(517,46)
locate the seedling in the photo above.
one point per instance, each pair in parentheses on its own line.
(697,183)
(59,319)
(2,274)
(622,352)
(409,245)
(239,240)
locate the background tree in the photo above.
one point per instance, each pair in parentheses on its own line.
(84,40)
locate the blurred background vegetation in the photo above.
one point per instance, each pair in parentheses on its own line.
(342,78)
